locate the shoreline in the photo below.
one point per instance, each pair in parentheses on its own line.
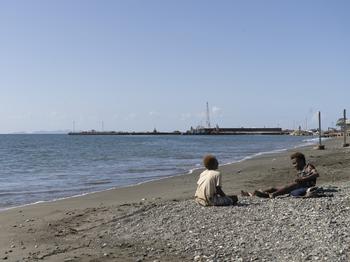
(104,226)
(306,143)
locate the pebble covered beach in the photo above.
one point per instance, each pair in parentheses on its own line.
(282,229)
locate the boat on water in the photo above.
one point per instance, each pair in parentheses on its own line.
(302,133)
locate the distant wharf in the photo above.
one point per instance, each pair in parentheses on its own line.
(197,131)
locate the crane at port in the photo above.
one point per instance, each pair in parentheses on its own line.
(208,117)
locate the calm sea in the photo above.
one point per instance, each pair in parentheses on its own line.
(45,167)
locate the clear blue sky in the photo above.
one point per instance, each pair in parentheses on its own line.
(136,65)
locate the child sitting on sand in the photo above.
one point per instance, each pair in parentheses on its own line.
(209,192)
(306,178)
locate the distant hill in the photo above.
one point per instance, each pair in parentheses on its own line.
(43,132)
(51,132)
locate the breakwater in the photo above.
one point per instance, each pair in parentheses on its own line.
(198,131)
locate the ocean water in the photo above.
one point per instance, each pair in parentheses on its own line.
(37,168)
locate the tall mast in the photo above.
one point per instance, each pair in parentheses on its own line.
(208,118)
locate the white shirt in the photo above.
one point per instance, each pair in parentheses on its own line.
(206,186)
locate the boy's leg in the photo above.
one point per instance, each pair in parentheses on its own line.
(246,193)
(285,190)
(264,193)
(270,190)
(259,193)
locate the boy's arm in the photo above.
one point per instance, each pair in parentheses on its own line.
(307,178)
(219,191)
(313,174)
(218,186)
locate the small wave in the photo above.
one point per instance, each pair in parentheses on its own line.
(98,182)
(147,170)
(13,193)
(315,140)
(198,167)
(44,201)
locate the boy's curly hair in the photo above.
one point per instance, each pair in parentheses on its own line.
(210,162)
(298,155)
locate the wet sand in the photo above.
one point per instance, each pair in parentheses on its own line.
(83,228)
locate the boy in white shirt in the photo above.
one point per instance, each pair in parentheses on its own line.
(209,192)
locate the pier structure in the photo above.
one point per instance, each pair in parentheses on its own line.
(237,131)
(194,131)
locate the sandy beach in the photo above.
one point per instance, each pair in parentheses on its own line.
(158,221)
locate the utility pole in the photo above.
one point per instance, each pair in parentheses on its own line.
(320,146)
(208,118)
(345,130)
